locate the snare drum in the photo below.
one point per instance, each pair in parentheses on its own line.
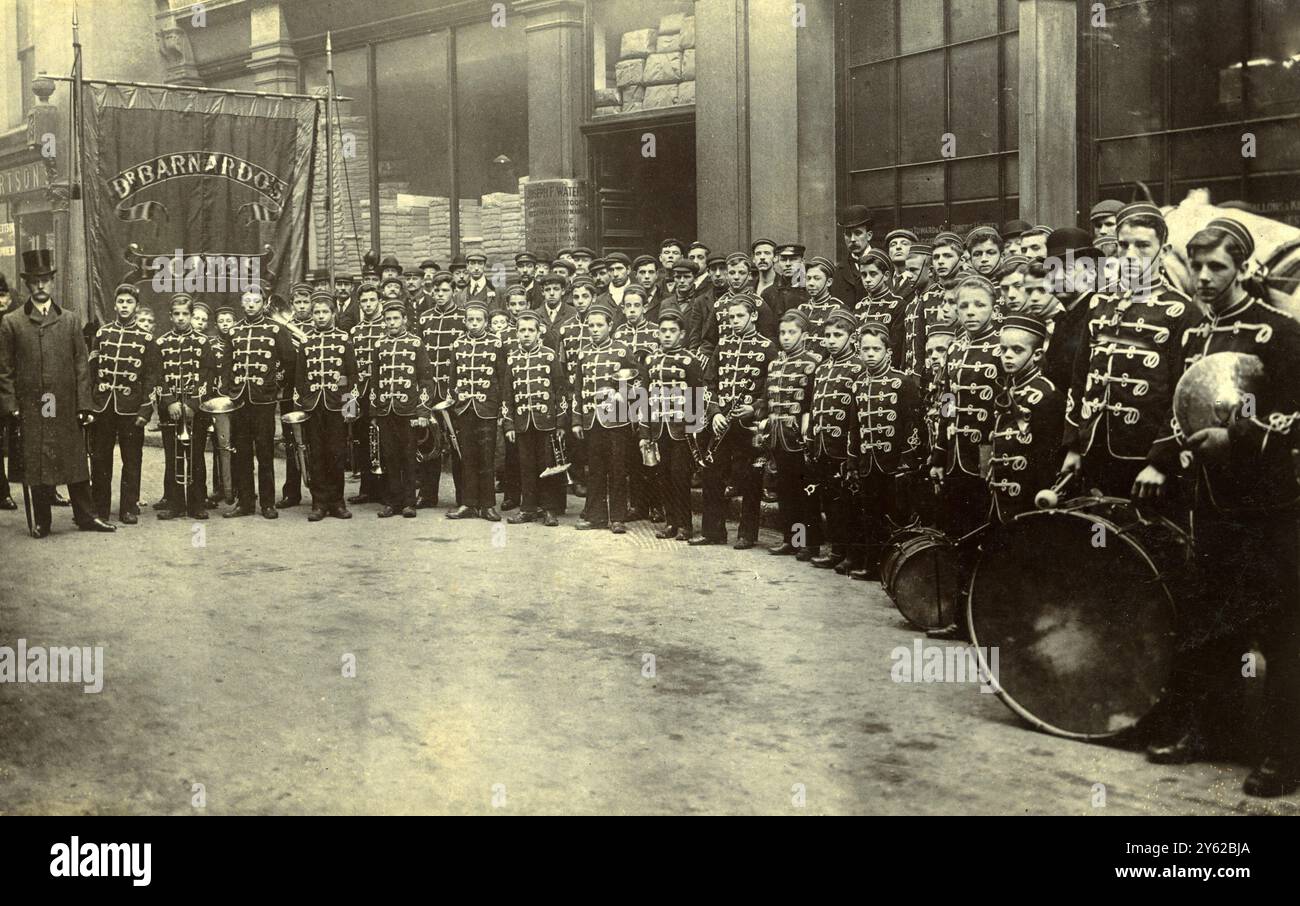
(1080,603)
(919,573)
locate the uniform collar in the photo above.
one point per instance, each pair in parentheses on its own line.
(1024,377)
(880,370)
(1236,308)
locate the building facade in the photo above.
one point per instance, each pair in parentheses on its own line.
(493,126)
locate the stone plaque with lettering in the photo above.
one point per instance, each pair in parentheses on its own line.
(555,214)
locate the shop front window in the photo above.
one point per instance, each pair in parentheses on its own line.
(1186,96)
(929,115)
(643,55)
(492,140)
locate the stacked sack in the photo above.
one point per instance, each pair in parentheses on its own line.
(656,68)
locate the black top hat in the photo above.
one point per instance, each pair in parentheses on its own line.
(37,263)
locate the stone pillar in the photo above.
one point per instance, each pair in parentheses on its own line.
(721,123)
(557,72)
(1048,116)
(271,59)
(765,122)
(556,194)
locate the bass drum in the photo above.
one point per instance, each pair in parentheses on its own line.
(1079,603)
(919,573)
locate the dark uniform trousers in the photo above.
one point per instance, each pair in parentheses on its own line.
(883,502)
(673,481)
(1114,477)
(1249,576)
(511,488)
(965,504)
(534,454)
(431,477)
(478,442)
(732,461)
(252,431)
(108,430)
(794,505)
(607,473)
(197,496)
(843,517)
(397,456)
(641,479)
(326,434)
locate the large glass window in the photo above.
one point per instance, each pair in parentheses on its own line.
(411,138)
(441,163)
(1179,87)
(930,111)
(643,55)
(492,139)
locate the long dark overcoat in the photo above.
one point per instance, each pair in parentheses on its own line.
(45,378)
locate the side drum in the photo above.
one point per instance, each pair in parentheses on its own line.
(1079,603)
(919,573)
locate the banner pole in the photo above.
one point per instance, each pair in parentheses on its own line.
(329,154)
(199,88)
(75,193)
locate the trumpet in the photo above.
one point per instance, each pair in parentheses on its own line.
(560,455)
(220,407)
(295,420)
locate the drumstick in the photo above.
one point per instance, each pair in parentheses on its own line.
(1048,498)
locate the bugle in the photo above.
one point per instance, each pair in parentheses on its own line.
(559,453)
(376,467)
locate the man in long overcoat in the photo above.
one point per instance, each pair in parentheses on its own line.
(45,387)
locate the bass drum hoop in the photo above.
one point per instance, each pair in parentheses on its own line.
(1079,509)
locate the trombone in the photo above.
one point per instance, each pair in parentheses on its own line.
(220,407)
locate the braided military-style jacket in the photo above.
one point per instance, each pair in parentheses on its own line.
(790,395)
(364,336)
(971,382)
(1258,475)
(818,310)
(641,339)
(478,375)
(737,374)
(833,426)
(260,351)
(883,306)
(187,369)
(399,377)
(123,369)
(1026,437)
(1124,380)
(439,328)
(888,421)
(326,373)
(536,391)
(674,377)
(603,367)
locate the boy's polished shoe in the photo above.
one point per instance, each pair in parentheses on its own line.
(489,513)
(1275,776)
(462,512)
(783,550)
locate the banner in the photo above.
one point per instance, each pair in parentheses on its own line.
(185,190)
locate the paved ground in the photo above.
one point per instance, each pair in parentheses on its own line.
(513,672)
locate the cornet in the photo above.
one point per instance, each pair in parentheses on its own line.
(559,453)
